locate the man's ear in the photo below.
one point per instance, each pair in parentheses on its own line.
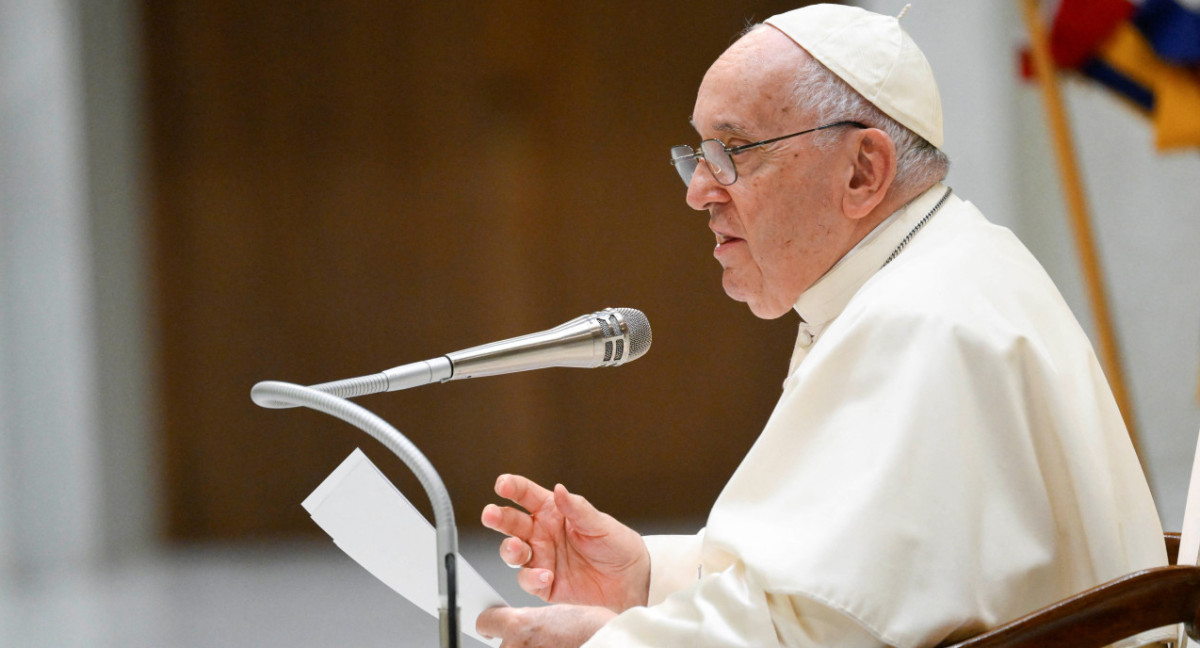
(874,169)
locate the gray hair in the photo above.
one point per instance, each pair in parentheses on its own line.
(820,92)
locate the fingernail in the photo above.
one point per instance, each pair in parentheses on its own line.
(544,577)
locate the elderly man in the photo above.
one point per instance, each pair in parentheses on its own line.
(946,454)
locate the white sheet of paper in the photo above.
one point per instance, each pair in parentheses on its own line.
(372,521)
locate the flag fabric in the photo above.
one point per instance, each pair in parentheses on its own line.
(1148,53)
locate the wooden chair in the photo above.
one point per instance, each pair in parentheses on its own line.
(1120,608)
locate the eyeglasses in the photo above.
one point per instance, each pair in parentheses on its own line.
(719,157)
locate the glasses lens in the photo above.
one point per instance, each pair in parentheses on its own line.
(685,161)
(719,161)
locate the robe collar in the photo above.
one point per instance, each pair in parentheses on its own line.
(827,298)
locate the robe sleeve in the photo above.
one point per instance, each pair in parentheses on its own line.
(728,610)
(674,563)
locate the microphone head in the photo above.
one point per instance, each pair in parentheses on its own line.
(639,332)
(624,333)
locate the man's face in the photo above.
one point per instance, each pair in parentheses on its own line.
(779,227)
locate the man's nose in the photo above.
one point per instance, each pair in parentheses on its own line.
(704,190)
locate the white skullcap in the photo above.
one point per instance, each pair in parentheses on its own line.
(875,56)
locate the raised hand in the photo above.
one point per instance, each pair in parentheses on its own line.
(568,551)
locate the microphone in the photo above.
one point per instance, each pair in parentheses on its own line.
(608,338)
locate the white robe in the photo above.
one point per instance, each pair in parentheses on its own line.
(946,456)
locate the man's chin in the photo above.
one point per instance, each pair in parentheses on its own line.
(761,308)
(768,312)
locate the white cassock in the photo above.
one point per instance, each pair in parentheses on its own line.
(946,456)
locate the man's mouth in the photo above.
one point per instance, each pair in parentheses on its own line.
(724,239)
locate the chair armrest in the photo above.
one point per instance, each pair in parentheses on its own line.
(1120,608)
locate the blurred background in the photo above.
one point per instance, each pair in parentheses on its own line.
(198,196)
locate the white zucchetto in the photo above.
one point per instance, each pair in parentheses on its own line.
(875,56)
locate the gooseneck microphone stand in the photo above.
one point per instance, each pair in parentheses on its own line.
(270,393)
(606,338)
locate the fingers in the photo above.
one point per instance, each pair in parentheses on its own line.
(584,517)
(515,553)
(538,582)
(527,494)
(549,625)
(507,520)
(492,622)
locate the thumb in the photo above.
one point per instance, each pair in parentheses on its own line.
(584,517)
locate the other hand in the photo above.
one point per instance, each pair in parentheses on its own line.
(568,551)
(553,626)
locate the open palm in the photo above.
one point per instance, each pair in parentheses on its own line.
(568,551)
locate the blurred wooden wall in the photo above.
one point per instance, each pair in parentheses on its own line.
(343,187)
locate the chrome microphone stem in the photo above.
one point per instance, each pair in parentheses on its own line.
(416,374)
(403,377)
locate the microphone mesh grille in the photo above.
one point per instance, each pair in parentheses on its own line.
(608,332)
(639,332)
